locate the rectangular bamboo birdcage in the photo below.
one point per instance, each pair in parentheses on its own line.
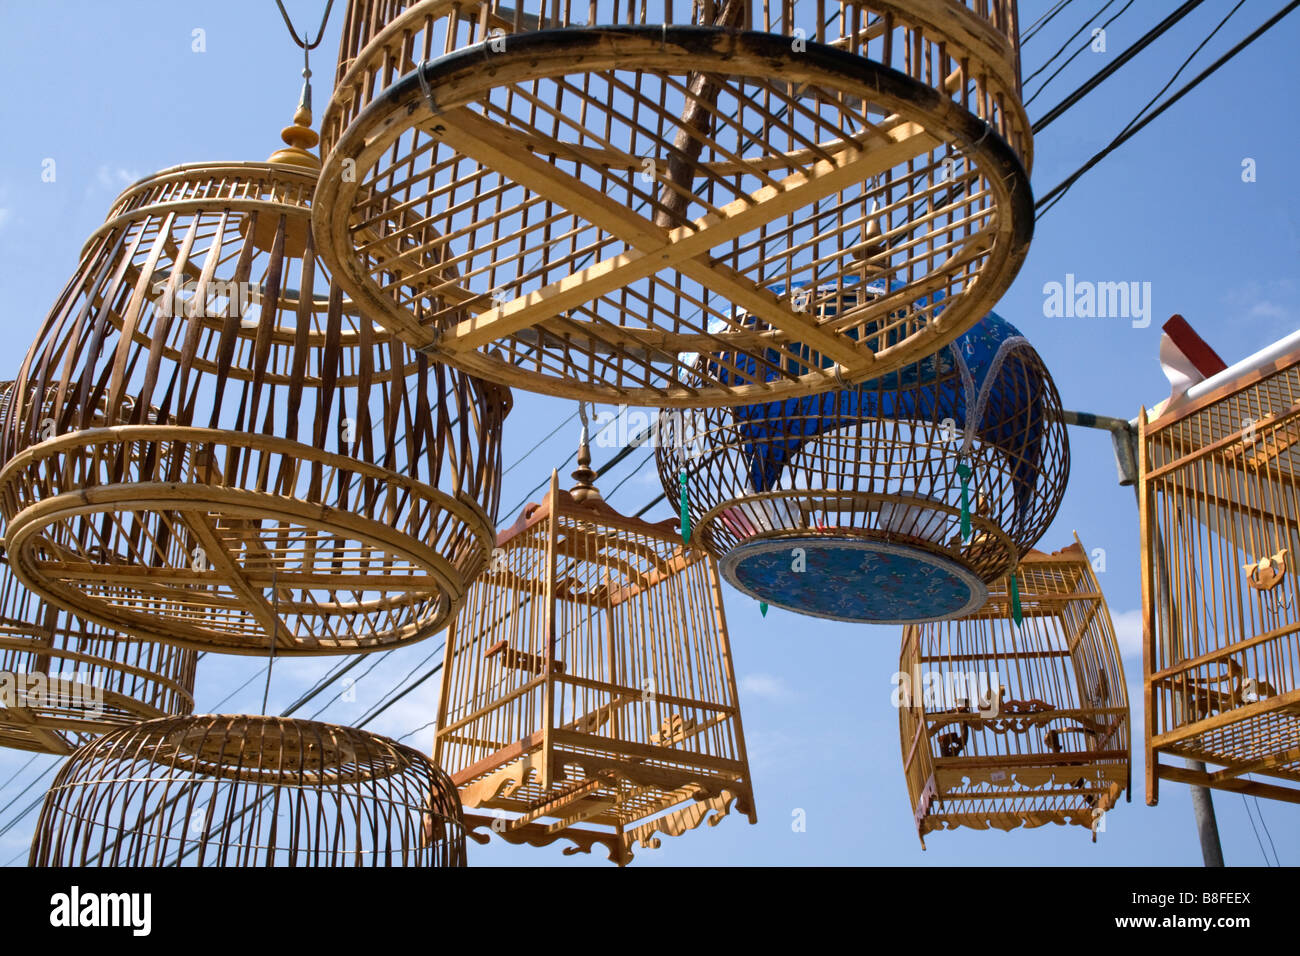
(1220,506)
(588,689)
(1043,735)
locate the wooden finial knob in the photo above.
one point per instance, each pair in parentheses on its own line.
(871,244)
(299,138)
(584,474)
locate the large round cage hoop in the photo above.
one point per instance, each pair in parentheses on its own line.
(580,279)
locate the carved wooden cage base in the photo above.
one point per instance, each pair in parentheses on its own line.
(1006,726)
(634,800)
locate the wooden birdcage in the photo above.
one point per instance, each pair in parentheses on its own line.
(895,501)
(1220,504)
(248,791)
(588,692)
(579,197)
(64,680)
(1008,726)
(211,445)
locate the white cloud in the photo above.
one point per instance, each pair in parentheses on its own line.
(1267,310)
(1273,303)
(1128,632)
(763,685)
(4,217)
(115,178)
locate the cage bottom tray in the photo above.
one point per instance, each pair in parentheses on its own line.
(854,579)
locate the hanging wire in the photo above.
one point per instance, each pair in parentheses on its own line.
(539,444)
(1260,810)
(1087,45)
(1066,45)
(306,45)
(582,417)
(1246,804)
(275,633)
(1179,72)
(1028,33)
(1044,203)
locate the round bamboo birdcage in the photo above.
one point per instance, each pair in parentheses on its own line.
(211,445)
(1005,725)
(622,726)
(64,680)
(581,197)
(247,791)
(894,501)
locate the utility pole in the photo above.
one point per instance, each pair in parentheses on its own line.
(1124,438)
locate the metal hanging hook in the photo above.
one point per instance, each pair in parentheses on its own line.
(307,46)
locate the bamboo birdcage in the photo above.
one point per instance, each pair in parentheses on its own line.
(580,197)
(64,680)
(248,791)
(1042,736)
(588,691)
(210,445)
(851,504)
(1220,505)
(77,678)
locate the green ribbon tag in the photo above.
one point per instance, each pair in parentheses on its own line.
(686,515)
(1017,614)
(762,608)
(964,472)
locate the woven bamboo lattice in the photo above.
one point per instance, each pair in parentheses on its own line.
(274,464)
(1005,726)
(848,505)
(581,197)
(248,791)
(1220,502)
(588,691)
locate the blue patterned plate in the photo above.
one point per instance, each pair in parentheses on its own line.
(852,579)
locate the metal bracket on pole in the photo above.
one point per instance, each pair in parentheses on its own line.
(1122,436)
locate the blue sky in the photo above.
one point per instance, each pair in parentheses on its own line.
(112,92)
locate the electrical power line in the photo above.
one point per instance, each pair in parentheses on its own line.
(1029,32)
(1053,196)
(1107,71)
(1064,46)
(520,460)
(1246,805)
(1057,72)
(1182,66)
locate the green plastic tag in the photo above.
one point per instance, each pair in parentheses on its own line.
(963,470)
(686,515)
(1017,614)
